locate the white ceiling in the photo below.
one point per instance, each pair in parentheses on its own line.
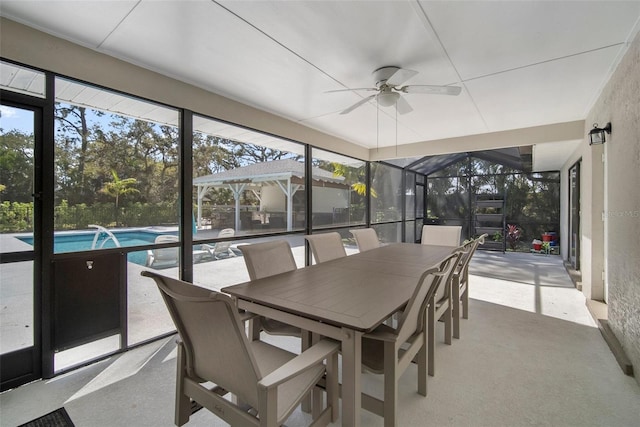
(520,63)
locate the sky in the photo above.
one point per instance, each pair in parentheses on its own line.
(22,120)
(15,118)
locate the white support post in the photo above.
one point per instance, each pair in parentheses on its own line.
(289,206)
(237,190)
(202,191)
(289,191)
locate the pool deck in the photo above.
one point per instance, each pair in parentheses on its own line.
(146,312)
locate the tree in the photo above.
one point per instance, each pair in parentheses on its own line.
(119,187)
(16,166)
(73,139)
(355,176)
(249,153)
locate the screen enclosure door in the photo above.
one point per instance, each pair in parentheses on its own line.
(20,320)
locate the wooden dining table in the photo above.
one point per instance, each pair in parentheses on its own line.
(343,299)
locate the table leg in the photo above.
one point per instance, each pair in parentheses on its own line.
(351,377)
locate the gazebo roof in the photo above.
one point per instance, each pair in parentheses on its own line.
(266,171)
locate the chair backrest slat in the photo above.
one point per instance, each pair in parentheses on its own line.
(326,246)
(444,289)
(366,238)
(445,235)
(268,258)
(412,318)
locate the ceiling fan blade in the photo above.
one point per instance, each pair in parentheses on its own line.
(357,104)
(351,90)
(435,90)
(403,106)
(400,76)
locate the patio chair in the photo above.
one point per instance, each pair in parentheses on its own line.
(366,239)
(326,246)
(390,351)
(444,235)
(270,382)
(163,256)
(440,308)
(264,260)
(169,257)
(221,250)
(460,283)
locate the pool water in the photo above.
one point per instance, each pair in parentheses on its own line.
(79,241)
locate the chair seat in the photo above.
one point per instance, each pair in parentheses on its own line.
(276,327)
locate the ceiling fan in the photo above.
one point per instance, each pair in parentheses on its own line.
(388,87)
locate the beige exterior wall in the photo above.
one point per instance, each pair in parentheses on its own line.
(610,201)
(325,199)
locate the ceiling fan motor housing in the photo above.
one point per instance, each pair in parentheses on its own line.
(381,75)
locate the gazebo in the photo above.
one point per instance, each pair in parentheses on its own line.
(287,174)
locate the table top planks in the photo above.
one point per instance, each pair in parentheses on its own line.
(357,292)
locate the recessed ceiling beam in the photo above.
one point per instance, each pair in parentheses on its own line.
(568,131)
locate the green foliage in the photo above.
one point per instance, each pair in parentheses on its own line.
(532,199)
(16,216)
(353,176)
(513,236)
(16,166)
(119,187)
(93,150)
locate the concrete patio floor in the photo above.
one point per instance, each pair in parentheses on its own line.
(529,354)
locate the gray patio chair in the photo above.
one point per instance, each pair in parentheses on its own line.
(390,351)
(460,283)
(366,238)
(213,348)
(326,246)
(221,249)
(264,260)
(445,235)
(169,257)
(440,308)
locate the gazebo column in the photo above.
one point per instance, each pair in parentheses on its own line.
(201,192)
(289,191)
(289,206)
(237,190)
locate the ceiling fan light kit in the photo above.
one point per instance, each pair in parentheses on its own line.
(388,81)
(387,98)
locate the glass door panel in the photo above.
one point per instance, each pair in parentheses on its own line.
(574,216)
(19,320)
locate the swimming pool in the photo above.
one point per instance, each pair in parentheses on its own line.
(77,241)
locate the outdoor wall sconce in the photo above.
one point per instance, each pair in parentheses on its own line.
(597,135)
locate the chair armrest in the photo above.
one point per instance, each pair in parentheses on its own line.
(306,360)
(382,333)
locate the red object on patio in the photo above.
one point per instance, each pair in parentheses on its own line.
(537,246)
(546,237)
